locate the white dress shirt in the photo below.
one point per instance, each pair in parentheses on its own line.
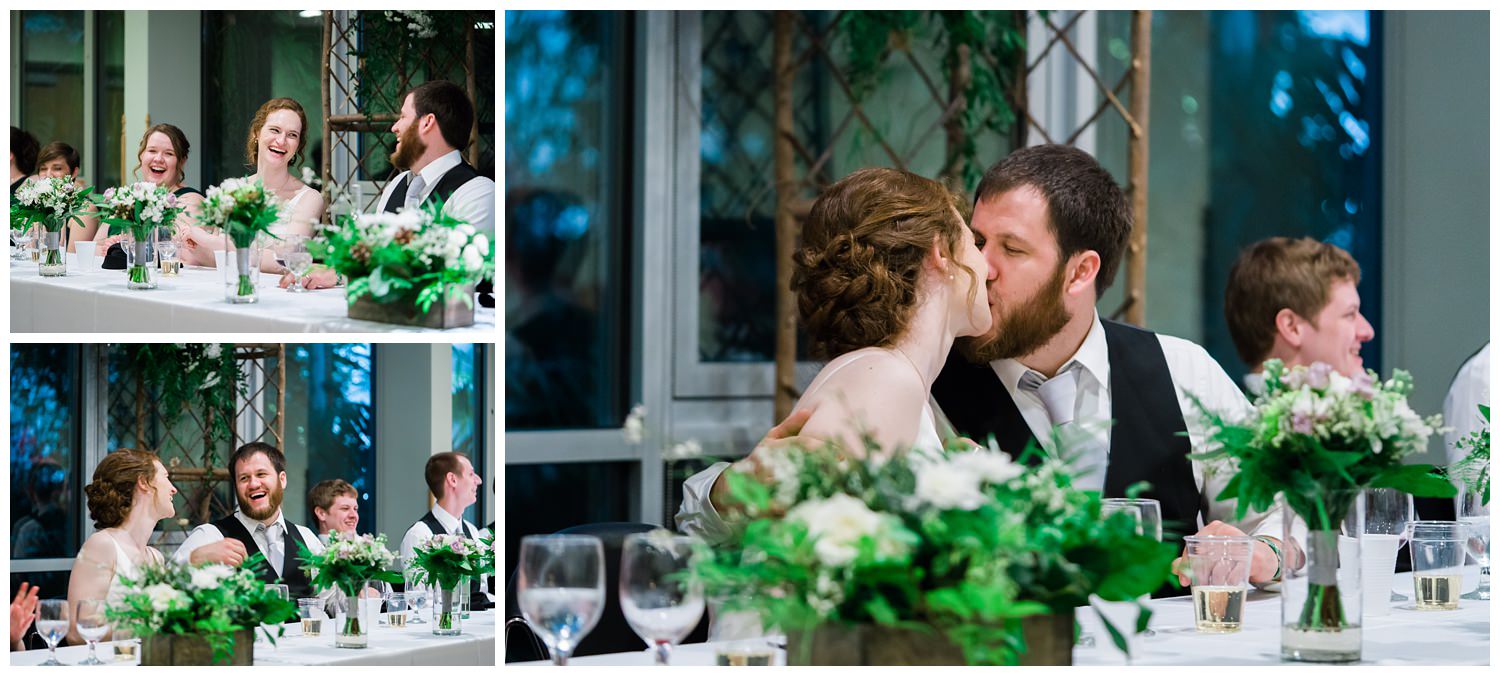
(208,534)
(450,523)
(1470,389)
(473,202)
(1192,369)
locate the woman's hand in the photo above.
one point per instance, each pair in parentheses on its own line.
(22,613)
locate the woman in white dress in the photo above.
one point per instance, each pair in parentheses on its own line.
(275,145)
(129,493)
(886,277)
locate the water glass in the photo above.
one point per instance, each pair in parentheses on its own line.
(313,615)
(284,592)
(166,253)
(1218,567)
(659,604)
(1474,515)
(738,634)
(92,626)
(1147,515)
(126,645)
(560,588)
(417,594)
(1437,558)
(395,610)
(1388,517)
(52,624)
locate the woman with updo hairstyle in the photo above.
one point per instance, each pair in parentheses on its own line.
(886,276)
(128,494)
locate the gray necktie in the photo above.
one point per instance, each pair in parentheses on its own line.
(1057,393)
(274,544)
(414,191)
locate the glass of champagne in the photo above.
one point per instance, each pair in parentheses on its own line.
(660,605)
(125,644)
(52,624)
(1437,558)
(1147,515)
(1474,515)
(166,252)
(560,588)
(92,626)
(395,610)
(1388,517)
(311,611)
(1219,569)
(416,596)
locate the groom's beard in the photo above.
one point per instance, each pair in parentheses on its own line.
(411,148)
(1021,328)
(273,503)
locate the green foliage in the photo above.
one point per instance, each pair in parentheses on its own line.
(1474,468)
(199,376)
(447,560)
(348,561)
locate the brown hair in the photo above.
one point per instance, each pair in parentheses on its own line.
(24,146)
(855,272)
(321,496)
(1275,274)
(1086,210)
(252,140)
(112,490)
(439,467)
(450,104)
(59,150)
(278,461)
(179,145)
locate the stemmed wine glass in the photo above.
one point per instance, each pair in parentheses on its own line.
(416,596)
(22,239)
(659,603)
(299,261)
(1474,515)
(92,626)
(560,588)
(284,592)
(52,624)
(1147,514)
(1388,517)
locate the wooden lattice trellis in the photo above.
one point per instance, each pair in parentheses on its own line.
(352,108)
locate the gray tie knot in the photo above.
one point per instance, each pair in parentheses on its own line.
(1057,393)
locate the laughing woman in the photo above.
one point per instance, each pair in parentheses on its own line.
(161,159)
(274,145)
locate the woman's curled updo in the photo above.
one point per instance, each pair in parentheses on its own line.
(112,490)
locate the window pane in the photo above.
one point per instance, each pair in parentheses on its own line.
(565,227)
(109,88)
(52,76)
(470,385)
(46,504)
(330,425)
(542,499)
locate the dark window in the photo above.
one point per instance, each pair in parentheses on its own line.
(544,499)
(46,457)
(52,76)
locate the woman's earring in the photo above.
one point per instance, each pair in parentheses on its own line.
(950,276)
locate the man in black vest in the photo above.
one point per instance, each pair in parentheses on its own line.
(455,486)
(259,473)
(436,120)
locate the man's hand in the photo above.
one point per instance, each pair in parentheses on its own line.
(227,551)
(780,437)
(321,277)
(1263,562)
(22,613)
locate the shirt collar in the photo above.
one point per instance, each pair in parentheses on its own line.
(1092,357)
(448,521)
(433,172)
(251,524)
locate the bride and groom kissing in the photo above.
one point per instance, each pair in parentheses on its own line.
(936,329)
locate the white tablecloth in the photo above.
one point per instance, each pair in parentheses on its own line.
(1404,637)
(412,646)
(96,300)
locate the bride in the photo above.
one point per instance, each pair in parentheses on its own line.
(129,493)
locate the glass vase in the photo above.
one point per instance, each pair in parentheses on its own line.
(356,614)
(447,608)
(1320,588)
(140,260)
(242,272)
(465,591)
(52,259)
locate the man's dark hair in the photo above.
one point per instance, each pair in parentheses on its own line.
(1086,210)
(25,148)
(452,107)
(438,468)
(278,460)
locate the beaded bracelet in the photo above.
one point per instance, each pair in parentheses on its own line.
(1275,549)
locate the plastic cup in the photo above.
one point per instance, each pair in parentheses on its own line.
(86,258)
(1218,567)
(1378,571)
(1437,559)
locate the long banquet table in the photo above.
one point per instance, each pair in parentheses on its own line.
(412,646)
(1403,637)
(96,300)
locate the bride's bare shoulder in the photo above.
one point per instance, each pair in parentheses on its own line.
(98,549)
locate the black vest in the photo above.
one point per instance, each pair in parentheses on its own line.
(292,575)
(477,599)
(451,181)
(1146,442)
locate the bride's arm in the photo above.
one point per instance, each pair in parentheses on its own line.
(92,572)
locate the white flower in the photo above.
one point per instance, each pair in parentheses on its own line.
(836,526)
(996,467)
(212,350)
(164,597)
(482,242)
(948,485)
(635,425)
(210,576)
(472,258)
(683,451)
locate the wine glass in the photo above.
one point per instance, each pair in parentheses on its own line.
(92,626)
(1147,515)
(560,587)
(1475,517)
(416,596)
(52,624)
(284,593)
(1388,517)
(659,604)
(166,252)
(299,261)
(22,238)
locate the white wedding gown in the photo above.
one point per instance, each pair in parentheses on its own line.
(124,567)
(927,437)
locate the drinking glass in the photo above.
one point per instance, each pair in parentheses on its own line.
(560,588)
(52,624)
(313,614)
(1437,558)
(416,597)
(738,633)
(1475,517)
(1218,567)
(126,644)
(92,626)
(1388,517)
(1147,515)
(376,589)
(658,602)
(22,238)
(395,610)
(166,252)
(284,592)
(299,262)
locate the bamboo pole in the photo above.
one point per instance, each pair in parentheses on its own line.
(327,100)
(786,223)
(1140,109)
(958,83)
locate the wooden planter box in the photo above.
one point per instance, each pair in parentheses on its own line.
(168,650)
(1049,641)
(450,313)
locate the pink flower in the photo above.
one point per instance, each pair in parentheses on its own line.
(1317,375)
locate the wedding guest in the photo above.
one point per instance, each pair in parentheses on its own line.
(22,613)
(259,473)
(129,493)
(23,150)
(454,486)
(436,122)
(335,507)
(1295,300)
(274,145)
(162,159)
(58,160)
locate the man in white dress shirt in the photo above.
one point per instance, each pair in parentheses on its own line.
(1053,225)
(455,486)
(259,473)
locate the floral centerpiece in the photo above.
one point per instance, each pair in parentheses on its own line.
(346,564)
(138,210)
(53,203)
(245,211)
(400,265)
(1318,438)
(447,562)
(1473,469)
(936,557)
(182,611)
